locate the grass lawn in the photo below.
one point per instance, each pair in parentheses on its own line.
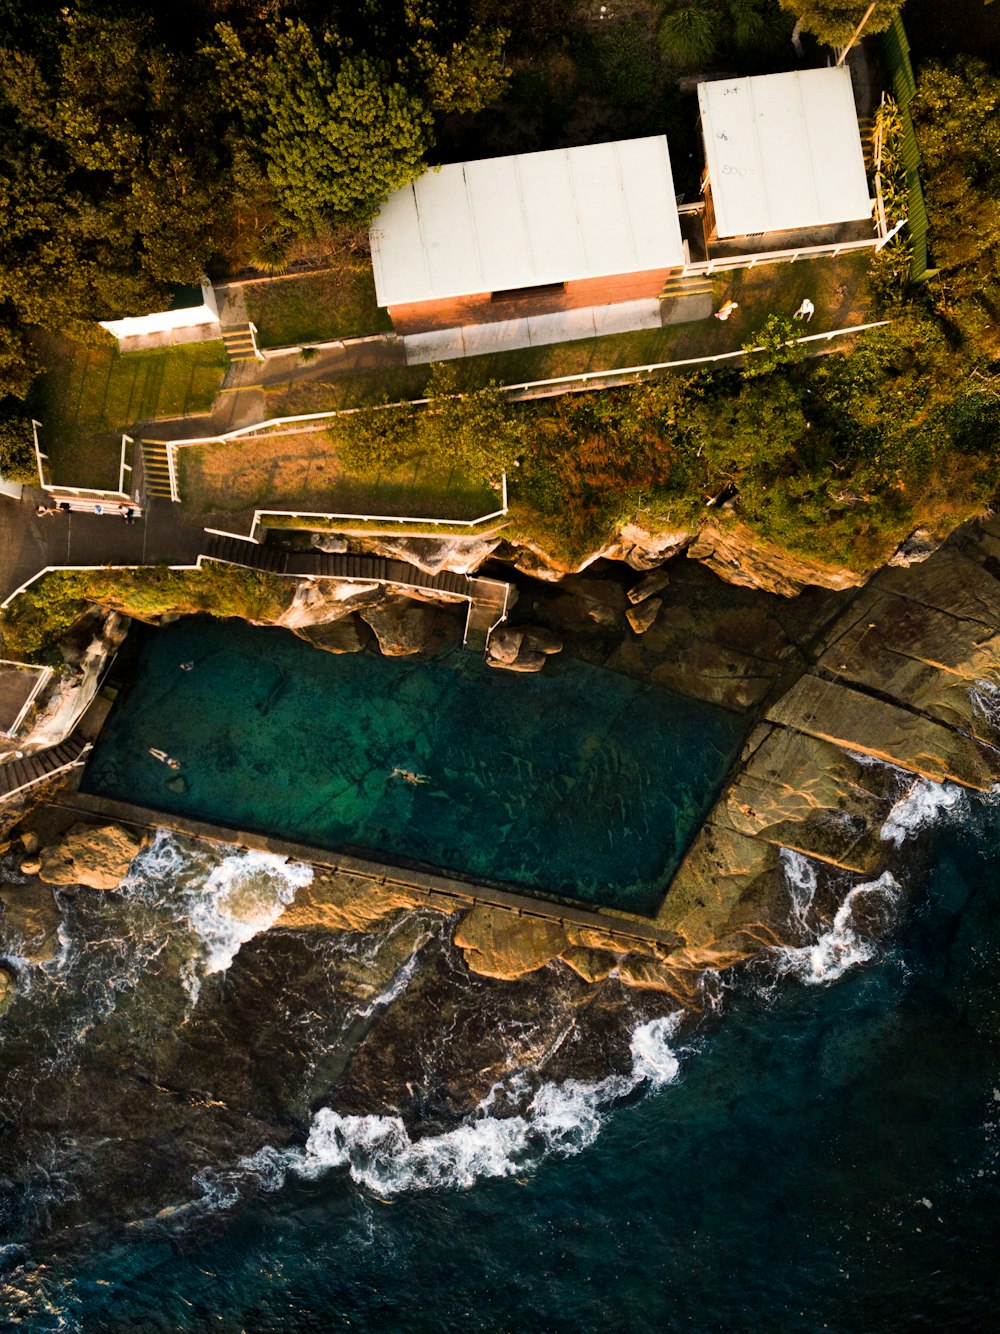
(222,484)
(338,303)
(91,395)
(837,287)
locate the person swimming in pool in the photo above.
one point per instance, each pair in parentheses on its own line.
(408,776)
(164,758)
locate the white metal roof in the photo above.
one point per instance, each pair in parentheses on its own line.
(523,221)
(784,151)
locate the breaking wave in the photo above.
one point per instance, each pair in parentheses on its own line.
(843,946)
(560,1119)
(224,901)
(924,804)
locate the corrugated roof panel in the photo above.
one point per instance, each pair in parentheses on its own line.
(551,217)
(601,209)
(647,179)
(841,183)
(787,168)
(784,151)
(501,230)
(522,221)
(447,232)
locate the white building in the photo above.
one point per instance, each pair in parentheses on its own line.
(783,153)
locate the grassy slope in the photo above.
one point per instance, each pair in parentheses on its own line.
(91,395)
(338,303)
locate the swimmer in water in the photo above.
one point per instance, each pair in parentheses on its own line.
(164,758)
(408,776)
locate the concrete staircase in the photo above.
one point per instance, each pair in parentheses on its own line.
(680,286)
(239,342)
(156,470)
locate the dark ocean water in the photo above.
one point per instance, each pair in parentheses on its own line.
(823,1157)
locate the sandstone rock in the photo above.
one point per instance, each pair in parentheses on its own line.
(643,549)
(499,943)
(740,557)
(97,857)
(802,793)
(29,923)
(331,543)
(526,661)
(654,582)
(914,549)
(642,617)
(926,658)
(29,840)
(31,866)
(403,627)
(321,601)
(349,635)
(522,648)
(8,987)
(724,901)
(344,902)
(885,731)
(461,555)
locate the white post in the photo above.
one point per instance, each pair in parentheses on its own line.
(889,235)
(172,470)
(124,467)
(38,453)
(253,338)
(857,33)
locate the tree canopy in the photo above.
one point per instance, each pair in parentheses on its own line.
(833,22)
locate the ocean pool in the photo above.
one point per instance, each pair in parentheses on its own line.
(574,782)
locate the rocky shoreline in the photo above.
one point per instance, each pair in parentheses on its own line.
(851,692)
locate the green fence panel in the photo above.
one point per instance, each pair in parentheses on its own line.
(896,57)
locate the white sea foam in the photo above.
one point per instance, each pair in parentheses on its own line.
(563,1119)
(985,696)
(223,900)
(841,947)
(924,804)
(800,876)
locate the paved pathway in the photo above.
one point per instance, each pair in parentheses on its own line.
(28,544)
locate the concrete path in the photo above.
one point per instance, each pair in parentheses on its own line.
(28,544)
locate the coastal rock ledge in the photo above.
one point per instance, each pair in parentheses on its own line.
(98,858)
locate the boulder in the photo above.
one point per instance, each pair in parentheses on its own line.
(404,627)
(29,840)
(330,543)
(31,866)
(654,582)
(915,549)
(522,648)
(499,943)
(96,857)
(29,922)
(349,635)
(320,601)
(340,901)
(504,645)
(640,618)
(8,987)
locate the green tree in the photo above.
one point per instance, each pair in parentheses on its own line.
(833,21)
(957,112)
(17,446)
(775,344)
(338,135)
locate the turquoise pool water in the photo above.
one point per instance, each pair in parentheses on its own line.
(575,782)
